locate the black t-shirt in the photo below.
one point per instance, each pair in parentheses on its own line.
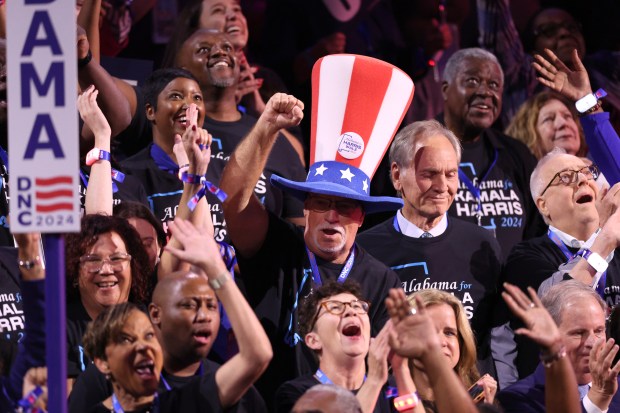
(529,264)
(272,279)
(464,261)
(91,388)
(77,321)
(164,189)
(289,392)
(500,167)
(11,306)
(129,190)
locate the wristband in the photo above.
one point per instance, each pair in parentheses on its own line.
(183,168)
(590,102)
(86,60)
(594,260)
(29,264)
(548,359)
(95,155)
(406,402)
(219,281)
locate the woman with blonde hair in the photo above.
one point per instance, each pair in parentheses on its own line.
(458,344)
(548,120)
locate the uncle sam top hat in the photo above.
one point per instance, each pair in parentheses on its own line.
(357,104)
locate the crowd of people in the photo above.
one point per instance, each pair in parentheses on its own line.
(459,258)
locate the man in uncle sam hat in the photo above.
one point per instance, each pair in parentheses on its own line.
(358,103)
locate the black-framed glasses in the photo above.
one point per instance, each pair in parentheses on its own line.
(94,263)
(344,207)
(552,29)
(569,177)
(336,307)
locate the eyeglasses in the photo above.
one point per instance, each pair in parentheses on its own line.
(569,177)
(552,29)
(336,307)
(94,263)
(343,207)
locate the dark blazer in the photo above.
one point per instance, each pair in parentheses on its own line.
(528,395)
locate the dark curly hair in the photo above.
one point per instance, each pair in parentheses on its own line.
(106,328)
(131,209)
(310,305)
(188,21)
(94,225)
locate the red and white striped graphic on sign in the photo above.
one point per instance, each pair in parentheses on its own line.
(54,194)
(357,105)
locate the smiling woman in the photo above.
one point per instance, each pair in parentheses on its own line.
(548,120)
(106,265)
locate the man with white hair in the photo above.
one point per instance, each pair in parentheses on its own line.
(424,159)
(494,169)
(327,398)
(565,190)
(579,313)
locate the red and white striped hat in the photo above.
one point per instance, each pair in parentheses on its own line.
(357,105)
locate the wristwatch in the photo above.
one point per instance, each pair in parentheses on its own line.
(590,102)
(95,155)
(595,260)
(219,281)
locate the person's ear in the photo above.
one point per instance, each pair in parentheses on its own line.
(150,112)
(395,175)
(155,314)
(313,341)
(541,204)
(102,366)
(444,90)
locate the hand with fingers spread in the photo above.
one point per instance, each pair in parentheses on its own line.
(413,334)
(249,85)
(197,247)
(553,73)
(93,116)
(282,111)
(604,376)
(539,326)
(378,355)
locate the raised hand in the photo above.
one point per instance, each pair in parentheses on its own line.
(92,115)
(539,326)
(248,84)
(604,376)
(283,111)
(378,354)
(197,246)
(553,73)
(414,333)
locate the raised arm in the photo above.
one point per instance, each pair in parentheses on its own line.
(560,382)
(236,376)
(377,369)
(193,153)
(117,99)
(99,189)
(414,336)
(246,218)
(88,18)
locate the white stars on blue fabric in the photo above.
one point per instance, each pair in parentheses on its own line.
(346,174)
(320,170)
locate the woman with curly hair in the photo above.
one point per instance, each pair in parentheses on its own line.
(548,120)
(458,345)
(106,265)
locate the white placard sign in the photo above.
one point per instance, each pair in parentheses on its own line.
(42,116)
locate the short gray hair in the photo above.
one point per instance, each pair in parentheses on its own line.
(455,63)
(560,295)
(346,402)
(537,185)
(407,141)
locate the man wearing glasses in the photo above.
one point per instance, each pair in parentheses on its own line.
(565,190)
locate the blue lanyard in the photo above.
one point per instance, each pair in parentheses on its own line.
(167,386)
(557,241)
(475,191)
(322,377)
(600,286)
(116,406)
(291,338)
(344,273)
